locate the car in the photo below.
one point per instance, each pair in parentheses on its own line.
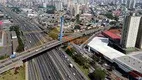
(68,59)
(69,76)
(73,73)
(71,65)
(65,56)
(36,50)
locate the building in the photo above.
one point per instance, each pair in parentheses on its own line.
(3,2)
(58,5)
(139,36)
(132,64)
(49,20)
(131,4)
(131,32)
(100,45)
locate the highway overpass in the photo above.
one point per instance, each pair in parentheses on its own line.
(9,63)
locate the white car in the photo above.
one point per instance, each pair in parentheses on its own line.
(73,73)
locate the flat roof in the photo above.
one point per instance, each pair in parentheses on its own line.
(111,35)
(100,44)
(132,60)
(137,55)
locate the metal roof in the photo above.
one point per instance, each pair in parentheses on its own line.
(111,35)
(100,44)
(133,61)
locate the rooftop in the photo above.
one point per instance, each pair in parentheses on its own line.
(132,60)
(111,35)
(101,45)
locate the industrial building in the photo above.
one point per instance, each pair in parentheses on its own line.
(100,45)
(130,63)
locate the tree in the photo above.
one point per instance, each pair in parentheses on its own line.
(93,64)
(109,15)
(77,27)
(99,74)
(95,58)
(112,23)
(116,18)
(83,61)
(78,19)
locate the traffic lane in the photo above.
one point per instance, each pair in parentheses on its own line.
(74,72)
(63,71)
(65,66)
(67,61)
(54,72)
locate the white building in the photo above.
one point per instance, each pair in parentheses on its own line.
(58,5)
(131,4)
(130,31)
(130,63)
(3,2)
(100,44)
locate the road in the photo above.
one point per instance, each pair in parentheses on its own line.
(31,39)
(44,69)
(53,65)
(39,49)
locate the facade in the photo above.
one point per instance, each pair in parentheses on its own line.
(132,64)
(49,20)
(3,2)
(130,31)
(131,4)
(139,37)
(58,5)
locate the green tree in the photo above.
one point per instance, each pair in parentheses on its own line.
(78,19)
(116,18)
(99,74)
(20,47)
(109,15)
(112,23)
(83,61)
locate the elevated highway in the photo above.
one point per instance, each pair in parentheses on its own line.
(10,63)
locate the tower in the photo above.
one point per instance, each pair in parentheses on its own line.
(131,4)
(131,34)
(61,28)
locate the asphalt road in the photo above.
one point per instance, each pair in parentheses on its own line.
(52,65)
(44,69)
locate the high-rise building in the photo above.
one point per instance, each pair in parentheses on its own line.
(139,36)
(132,32)
(131,4)
(3,2)
(58,5)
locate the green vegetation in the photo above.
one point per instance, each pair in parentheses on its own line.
(85,71)
(54,33)
(16,9)
(82,61)
(77,27)
(14,74)
(99,74)
(3,57)
(128,50)
(110,16)
(113,23)
(20,47)
(78,19)
(70,51)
